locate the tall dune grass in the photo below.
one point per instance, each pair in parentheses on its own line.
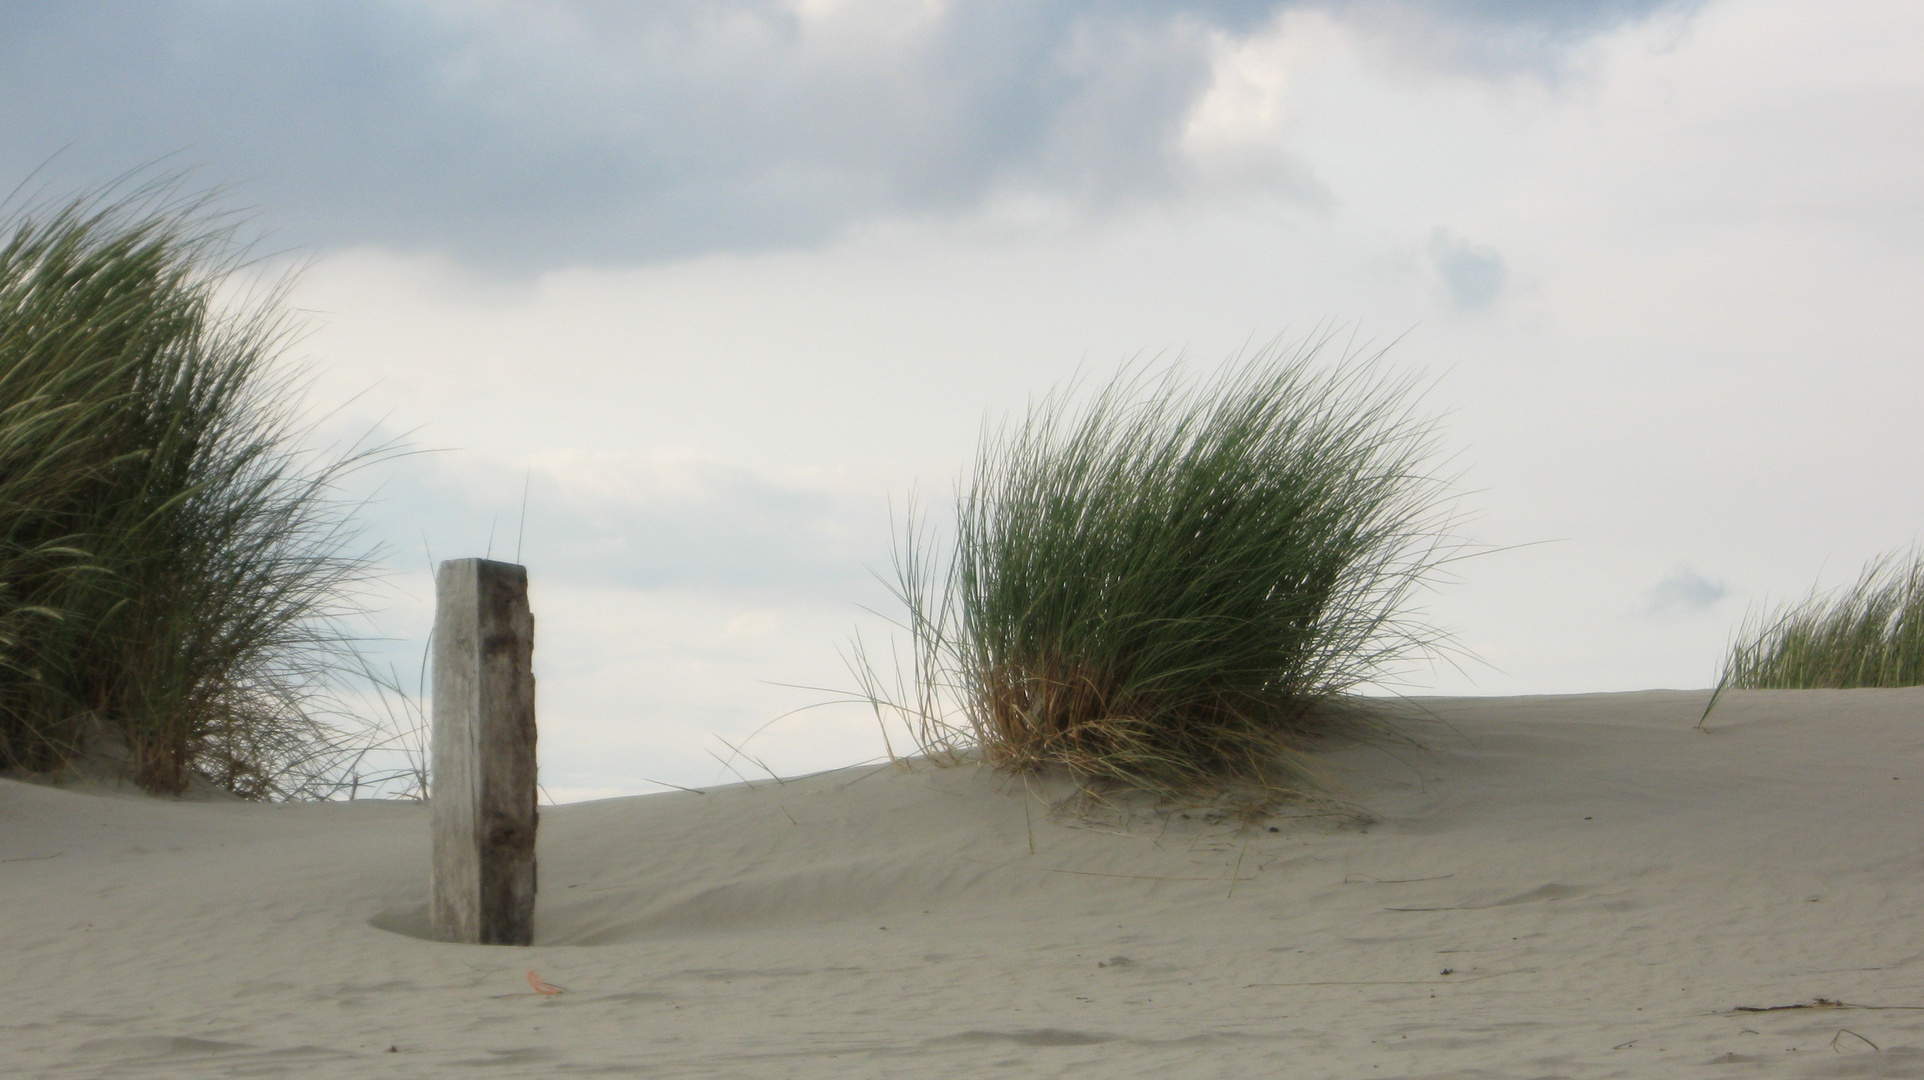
(1871,634)
(1172,585)
(173,564)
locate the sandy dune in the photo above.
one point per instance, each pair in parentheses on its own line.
(1556,887)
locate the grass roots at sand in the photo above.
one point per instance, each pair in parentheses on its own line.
(1172,585)
(172,564)
(1871,634)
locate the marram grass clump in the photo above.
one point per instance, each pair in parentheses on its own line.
(1871,634)
(1174,585)
(175,564)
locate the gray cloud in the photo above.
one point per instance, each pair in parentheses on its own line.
(1473,275)
(529,135)
(1684,592)
(1499,37)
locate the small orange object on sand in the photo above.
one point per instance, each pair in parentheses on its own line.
(541,987)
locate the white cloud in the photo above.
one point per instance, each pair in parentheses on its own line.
(666,518)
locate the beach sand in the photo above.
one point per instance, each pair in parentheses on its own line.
(1576,886)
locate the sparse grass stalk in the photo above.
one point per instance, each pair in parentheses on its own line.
(173,562)
(1871,634)
(1172,585)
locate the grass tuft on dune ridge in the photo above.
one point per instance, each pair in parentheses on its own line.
(1869,635)
(175,563)
(1175,585)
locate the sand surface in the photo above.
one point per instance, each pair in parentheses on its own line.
(1555,887)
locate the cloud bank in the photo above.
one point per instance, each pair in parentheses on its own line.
(666,520)
(523,136)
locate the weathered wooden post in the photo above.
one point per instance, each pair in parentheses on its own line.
(483,770)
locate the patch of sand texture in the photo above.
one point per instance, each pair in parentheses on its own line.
(1580,886)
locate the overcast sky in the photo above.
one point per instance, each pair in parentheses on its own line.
(719,280)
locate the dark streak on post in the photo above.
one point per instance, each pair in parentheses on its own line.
(483,769)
